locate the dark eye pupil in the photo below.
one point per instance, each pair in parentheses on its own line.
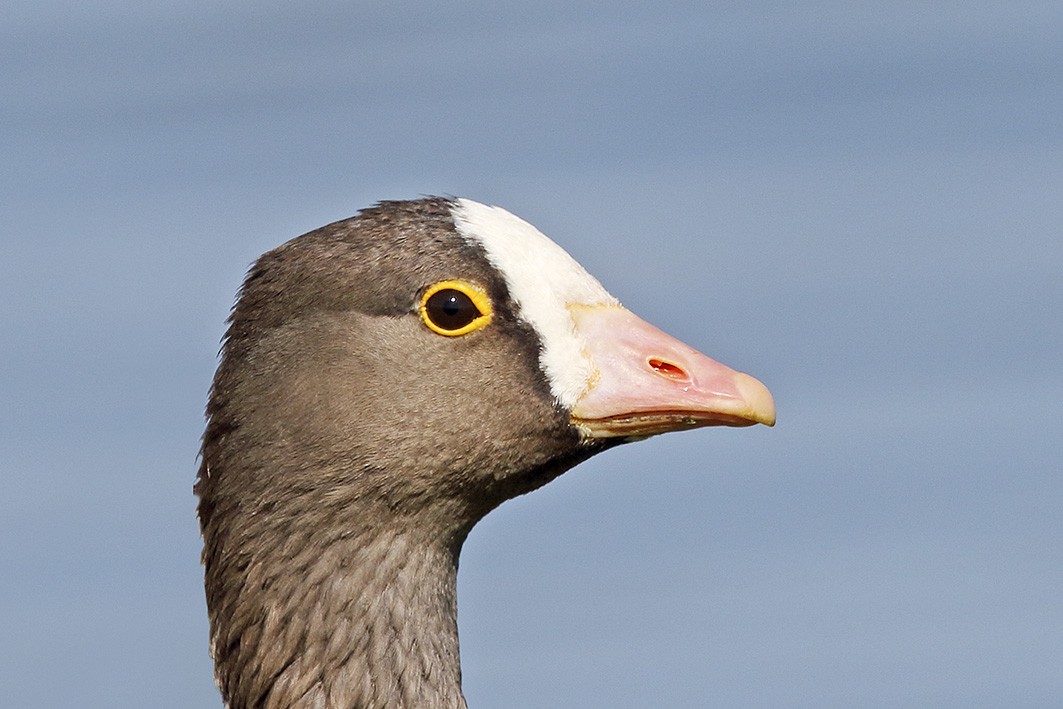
(451,309)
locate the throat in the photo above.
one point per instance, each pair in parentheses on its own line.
(354,623)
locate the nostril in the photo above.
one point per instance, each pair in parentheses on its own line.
(667,369)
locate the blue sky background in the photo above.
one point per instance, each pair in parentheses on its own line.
(859,203)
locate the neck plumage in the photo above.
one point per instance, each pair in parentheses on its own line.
(360,621)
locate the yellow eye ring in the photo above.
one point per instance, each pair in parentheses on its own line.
(455,308)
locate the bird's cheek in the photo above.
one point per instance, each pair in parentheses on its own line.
(647,382)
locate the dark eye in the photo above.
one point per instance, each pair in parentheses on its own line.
(455,308)
(450,309)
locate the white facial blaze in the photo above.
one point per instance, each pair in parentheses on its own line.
(544,281)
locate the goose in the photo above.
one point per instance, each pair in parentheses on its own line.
(384,382)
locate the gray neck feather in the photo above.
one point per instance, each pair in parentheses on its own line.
(357,623)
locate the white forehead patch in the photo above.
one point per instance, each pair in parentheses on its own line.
(544,281)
